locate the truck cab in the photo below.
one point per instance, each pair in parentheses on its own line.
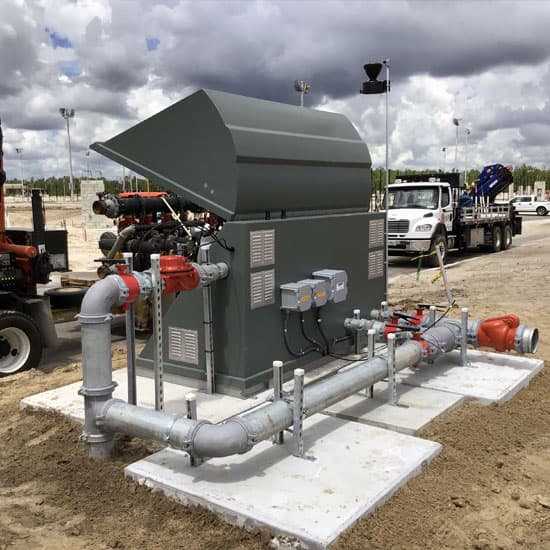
(419,214)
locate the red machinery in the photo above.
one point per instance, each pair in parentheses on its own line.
(26,322)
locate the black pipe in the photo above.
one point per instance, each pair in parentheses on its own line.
(114,206)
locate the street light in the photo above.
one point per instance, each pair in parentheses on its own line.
(88,171)
(68,114)
(468,132)
(19,152)
(456,122)
(375,86)
(303,88)
(444,150)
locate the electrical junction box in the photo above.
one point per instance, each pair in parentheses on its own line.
(320,290)
(338,283)
(296,296)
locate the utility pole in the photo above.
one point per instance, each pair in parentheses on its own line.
(19,152)
(303,88)
(375,86)
(68,114)
(456,122)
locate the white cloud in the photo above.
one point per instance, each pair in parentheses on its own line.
(446,61)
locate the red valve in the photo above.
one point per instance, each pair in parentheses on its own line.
(498,332)
(178,274)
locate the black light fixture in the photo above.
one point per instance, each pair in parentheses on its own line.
(372,85)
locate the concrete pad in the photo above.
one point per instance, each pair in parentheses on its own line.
(353,468)
(489,378)
(214,408)
(416,408)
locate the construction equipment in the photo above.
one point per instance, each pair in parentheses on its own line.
(436,210)
(26,321)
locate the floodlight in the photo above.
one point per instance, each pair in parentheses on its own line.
(302,86)
(373,70)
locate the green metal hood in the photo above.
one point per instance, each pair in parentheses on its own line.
(239,156)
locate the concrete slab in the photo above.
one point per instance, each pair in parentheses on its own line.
(417,407)
(490,377)
(353,469)
(215,407)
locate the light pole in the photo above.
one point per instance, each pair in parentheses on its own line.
(374,86)
(468,132)
(303,88)
(88,171)
(456,122)
(444,150)
(68,114)
(19,152)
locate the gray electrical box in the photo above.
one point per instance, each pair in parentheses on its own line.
(296,296)
(287,183)
(338,283)
(320,290)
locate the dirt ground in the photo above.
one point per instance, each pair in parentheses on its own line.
(488,489)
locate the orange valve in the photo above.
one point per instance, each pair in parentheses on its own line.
(498,332)
(178,274)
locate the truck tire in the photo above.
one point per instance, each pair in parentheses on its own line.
(541,211)
(506,237)
(441,241)
(496,238)
(66,296)
(20,343)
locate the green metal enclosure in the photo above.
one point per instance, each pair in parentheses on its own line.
(293,186)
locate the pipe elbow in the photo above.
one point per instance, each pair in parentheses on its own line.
(217,440)
(100,298)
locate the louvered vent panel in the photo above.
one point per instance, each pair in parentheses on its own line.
(262,288)
(376,233)
(183,345)
(376,264)
(262,248)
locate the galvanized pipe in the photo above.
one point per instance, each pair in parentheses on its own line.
(240,434)
(95,319)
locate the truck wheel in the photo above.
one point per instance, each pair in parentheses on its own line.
(496,239)
(20,343)
(66,296)
(440,241)
(541,211)
(506,237)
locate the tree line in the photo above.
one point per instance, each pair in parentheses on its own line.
(524,176)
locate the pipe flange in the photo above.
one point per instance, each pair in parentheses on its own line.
(97,392)
(94,319)
(86,437)
(187,444)
(252,439)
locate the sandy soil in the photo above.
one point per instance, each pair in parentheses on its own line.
(489,489)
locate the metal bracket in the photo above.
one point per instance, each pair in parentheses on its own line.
(191,405)
(298,413)
(392,383)
(158,363)
(464,338)
(131,339)
(278,438)
(371,338)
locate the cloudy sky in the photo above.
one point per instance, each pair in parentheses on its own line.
(118,61)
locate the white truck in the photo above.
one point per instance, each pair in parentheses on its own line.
(530,204)
(425,211)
